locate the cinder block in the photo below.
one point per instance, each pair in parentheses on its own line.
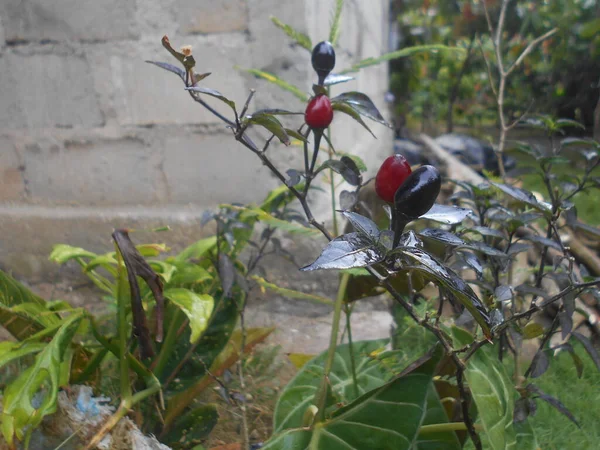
(136,93)
(11,180)
(102,172)
(208,16)
(59,20)
(208,170)
(47,90)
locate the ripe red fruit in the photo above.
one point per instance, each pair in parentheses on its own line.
(319,113)
(392,173)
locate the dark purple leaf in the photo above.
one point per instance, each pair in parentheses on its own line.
(213,93)
(525,289)
(574,356)
(539,365)
(226,273)
(348,109)
(207,216)
(362,104)
(524,407)
(474,263)
(487,231)
(451,282)
(334,78)
(347,251)
(450,215)
(348,200)
(485,249)
(566,323)
(363,225)
(345,167)
(137,266)
(295,135)
(517,247)
(170,67)
(503,293)
(522,196)
(589,347)
(294,177)
(552,401)
(544,241)
(445,237)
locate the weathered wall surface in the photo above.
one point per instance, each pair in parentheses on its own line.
(92,138)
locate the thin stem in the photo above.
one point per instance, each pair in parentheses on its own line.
(321,396)
(170,340)
(336,231)
(348,313)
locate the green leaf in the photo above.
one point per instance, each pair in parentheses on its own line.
(300,38)
(197,307)
(300,391)
(436,414)
(272,124)
(188,274)
(37,385)
(526,439)
(198,249)
(10,351)
(61,253)
(213,93)
(408,51)
(492,391)
(22,313)
(590,29)
(265,217)
(192,426)
(334,32)
(386,418)
(290,293)
(278,82)
(349,109)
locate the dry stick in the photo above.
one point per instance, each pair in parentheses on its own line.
(503,73)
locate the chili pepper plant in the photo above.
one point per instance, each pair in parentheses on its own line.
(441,381)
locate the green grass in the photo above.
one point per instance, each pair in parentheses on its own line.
(581,396)
(586,202)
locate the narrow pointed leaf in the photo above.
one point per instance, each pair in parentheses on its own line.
(334,78)
(290,293)
(361,104)
(363,224)
(403,53)
(589,348)
(300,38)
(272,124)
(279,82)
(170,67)
(213,93)
(349,109)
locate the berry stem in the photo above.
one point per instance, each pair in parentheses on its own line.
(318,134)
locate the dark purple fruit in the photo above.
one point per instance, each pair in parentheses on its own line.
(414,198)
(323,60)
(417,194)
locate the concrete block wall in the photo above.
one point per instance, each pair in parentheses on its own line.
(92,138)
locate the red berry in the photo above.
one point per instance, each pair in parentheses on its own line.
(319,114)
(392,173)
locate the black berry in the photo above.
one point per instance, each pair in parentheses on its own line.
(323,60)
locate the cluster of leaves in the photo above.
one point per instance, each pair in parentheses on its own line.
(197,293)
(562,77)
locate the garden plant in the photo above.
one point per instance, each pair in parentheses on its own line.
(452,375)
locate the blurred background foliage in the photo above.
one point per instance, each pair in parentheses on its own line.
(561,77)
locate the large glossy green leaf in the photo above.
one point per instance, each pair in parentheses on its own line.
(446,440)
(22,313)
(61,253)
(492,392)
(38,385)
(526,439)
(299,392)
(197,249)
(385,418)
(197,307)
